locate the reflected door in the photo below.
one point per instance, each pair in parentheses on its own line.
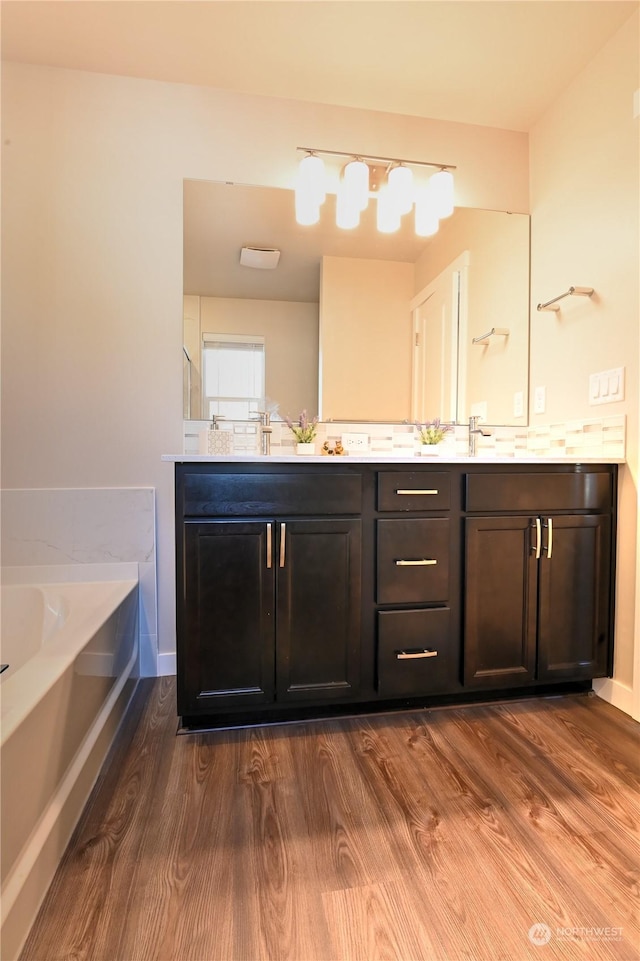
(436,315)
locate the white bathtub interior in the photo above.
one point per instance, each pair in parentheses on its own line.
(72,650)
(30,616)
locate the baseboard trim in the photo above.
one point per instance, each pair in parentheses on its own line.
(615,693)
(166,664)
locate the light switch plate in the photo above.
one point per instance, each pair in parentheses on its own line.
(540,400)
(606,386)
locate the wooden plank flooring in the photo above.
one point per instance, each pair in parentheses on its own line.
(440,835)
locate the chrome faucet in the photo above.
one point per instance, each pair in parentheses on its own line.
(474,430)
(265,432)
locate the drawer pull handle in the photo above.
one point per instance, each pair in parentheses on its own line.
(268,546)
(406,656)
(424,562)
(411,492)
(283,543)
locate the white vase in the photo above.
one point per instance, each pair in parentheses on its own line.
(306,448)
(431,450)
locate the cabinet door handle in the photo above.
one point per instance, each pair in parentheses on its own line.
(406,656)
(268,546)
(401,491)
(549,544)
(424,562)
(538,545)
(283,543)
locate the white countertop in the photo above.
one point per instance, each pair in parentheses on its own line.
(414,459)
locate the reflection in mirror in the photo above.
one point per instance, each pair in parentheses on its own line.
(357,325)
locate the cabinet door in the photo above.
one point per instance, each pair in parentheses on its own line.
(500,601)
(226,650)
(318,605)
(574,599)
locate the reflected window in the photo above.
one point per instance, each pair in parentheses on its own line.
(233,375)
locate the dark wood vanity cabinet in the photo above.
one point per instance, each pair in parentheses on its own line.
(270,606)
(313,588)
(538,586)
(272,611)
(418,651)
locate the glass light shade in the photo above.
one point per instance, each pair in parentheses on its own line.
(347,210)
(355,178)
(441,186)
(400,181)
(310,189)
(388,215)
(307,212)
(426,218)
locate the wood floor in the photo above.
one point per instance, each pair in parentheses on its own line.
(423,835)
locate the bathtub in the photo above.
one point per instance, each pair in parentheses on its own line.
(71,650)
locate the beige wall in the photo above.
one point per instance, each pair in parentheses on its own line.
(584,229)
(290,332)
(365,339)
(498,296)
(92,176)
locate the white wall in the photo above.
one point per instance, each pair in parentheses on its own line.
(92,177)
(585,232)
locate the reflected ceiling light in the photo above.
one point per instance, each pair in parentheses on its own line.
(357,183)
(388,216)
(441,186)
(262,258)
(426,218)
(347,208)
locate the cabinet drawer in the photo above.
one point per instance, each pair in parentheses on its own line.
(244,494)
(413,560)
(413,652)
(414,491)
(537,493)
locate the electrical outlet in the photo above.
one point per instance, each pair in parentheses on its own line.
(358,443)
(540,400)
(518,404)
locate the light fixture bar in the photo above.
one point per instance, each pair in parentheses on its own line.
(385,160)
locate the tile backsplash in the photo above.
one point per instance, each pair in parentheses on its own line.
(595,437)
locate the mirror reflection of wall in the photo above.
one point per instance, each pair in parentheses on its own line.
(339,335)
(288,332)
(493,294)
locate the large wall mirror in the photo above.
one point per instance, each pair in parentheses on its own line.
(353,325)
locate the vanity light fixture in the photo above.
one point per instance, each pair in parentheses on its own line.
(396,192)
(310,189)
(400,184)
(355,180)
(441,190)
